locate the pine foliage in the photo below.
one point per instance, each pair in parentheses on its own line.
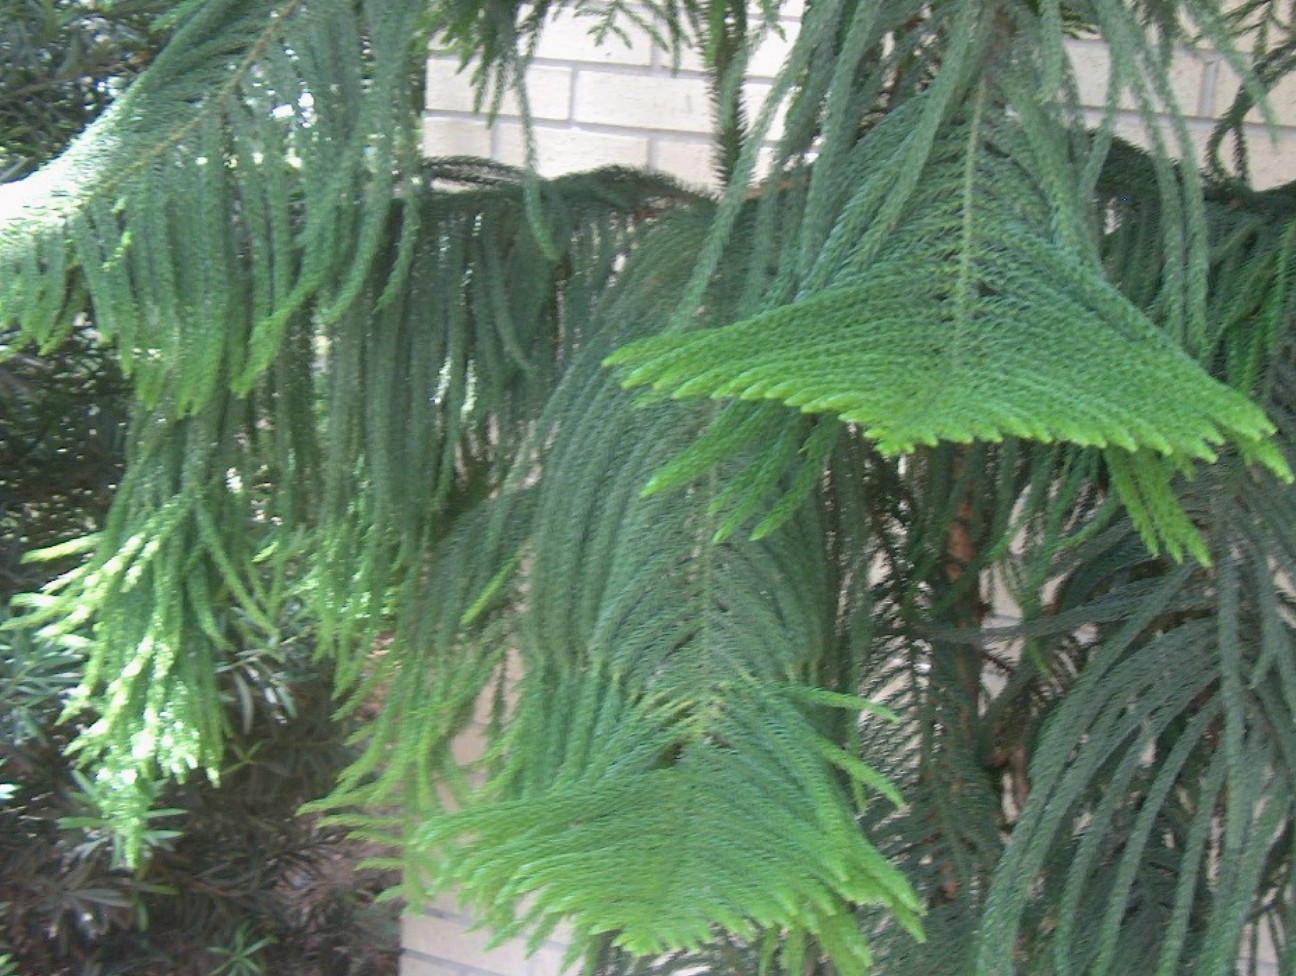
(984,312)
(970,321)
(726,639)
(1169,801)
(673,689)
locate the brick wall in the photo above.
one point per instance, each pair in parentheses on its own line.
(619,103)
(441,941)
(623,103)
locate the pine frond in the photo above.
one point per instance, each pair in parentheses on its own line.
(170,586)
(435,378)
(250,505)
(945,217)
(667,716)
(1168,757)
(277,117)
(974,319)
(1161,792)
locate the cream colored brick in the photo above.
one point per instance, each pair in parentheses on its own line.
(679,104)
(468,746)
(1131,129)
(465,749)
(1187,81)
(548,87)
(1282,97)
(691,162)
(448,89)
(446,905)
(754,94)
(456,137)
(411,965)
(764,65)
(546,962)
(485,703)
(690,60)
(1244,38)
(1225,90)
(765,60)
(567,150)
(567,38)
(451,942)
(770,54)
(560,938)
(1272,163)
(1092,65)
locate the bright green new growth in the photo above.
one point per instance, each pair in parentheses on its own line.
(961,336)
(982,312)
(970,321)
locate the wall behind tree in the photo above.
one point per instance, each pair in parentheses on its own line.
(624,103)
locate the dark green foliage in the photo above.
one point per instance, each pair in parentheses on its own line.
(61,64)
(758,688)
(228,868)
(61,407)
(673,708)
(61,434)
(220,860)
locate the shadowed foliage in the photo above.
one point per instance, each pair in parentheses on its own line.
(922,605)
